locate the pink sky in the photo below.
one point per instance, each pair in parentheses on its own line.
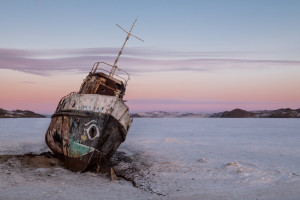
(36,80)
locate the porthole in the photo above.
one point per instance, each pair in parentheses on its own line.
(92,132)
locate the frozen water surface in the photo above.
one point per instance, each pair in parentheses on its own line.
(179,158)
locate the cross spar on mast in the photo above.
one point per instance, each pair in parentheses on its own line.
(114,67)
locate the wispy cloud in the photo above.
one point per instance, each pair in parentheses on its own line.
(136,60)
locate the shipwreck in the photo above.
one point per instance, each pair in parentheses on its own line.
(89,125)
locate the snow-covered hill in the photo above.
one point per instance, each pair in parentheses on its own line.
(162,114)
(19,114)
(236,113)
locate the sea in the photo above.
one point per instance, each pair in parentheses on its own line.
(211,158)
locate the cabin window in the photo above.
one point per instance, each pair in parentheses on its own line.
(102,89)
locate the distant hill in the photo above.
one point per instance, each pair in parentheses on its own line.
(162,114)
(19,114)
(236,113)
(239,113)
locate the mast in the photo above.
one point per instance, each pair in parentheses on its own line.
(114,67)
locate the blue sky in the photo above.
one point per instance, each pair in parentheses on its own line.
(233,25)
(230,53)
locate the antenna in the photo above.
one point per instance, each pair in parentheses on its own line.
(114,67)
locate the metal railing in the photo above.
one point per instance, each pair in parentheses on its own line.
(117,76)
(62,100)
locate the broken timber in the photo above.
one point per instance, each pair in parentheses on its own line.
(88,126)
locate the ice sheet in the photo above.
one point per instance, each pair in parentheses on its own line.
(173,159)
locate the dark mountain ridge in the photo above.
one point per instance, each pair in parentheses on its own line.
(279,113)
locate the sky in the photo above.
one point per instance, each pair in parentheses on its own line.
(197,56)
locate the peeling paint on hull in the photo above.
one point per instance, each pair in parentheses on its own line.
(86,137)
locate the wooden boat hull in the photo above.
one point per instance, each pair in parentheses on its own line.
(87,129)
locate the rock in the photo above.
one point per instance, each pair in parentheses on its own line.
(233,164)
